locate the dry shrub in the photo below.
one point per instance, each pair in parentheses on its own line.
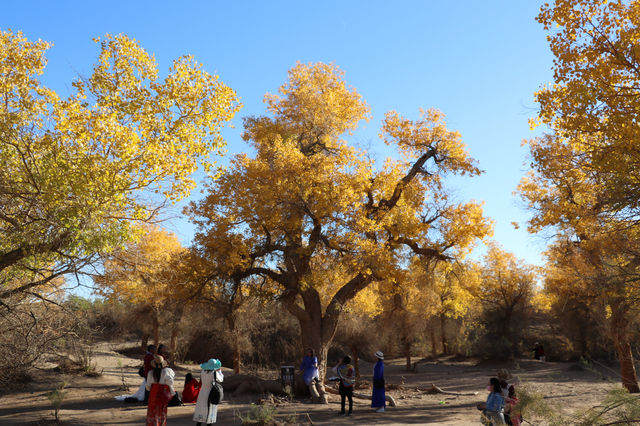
(29,331)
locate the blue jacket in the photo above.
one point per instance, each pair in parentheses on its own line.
(495,402)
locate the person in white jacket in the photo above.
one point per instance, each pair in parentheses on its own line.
(159,383)
(205,412)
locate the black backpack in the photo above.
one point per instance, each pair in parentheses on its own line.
(216,393)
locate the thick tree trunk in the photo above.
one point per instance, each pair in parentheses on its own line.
(231,323)
(356,364)
(445,344)
(625,356)
(627,368)
(312,339)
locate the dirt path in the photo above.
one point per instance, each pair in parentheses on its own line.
(90,401)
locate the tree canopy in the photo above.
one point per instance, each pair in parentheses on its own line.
(80,172)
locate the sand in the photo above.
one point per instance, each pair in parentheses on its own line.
(90,400)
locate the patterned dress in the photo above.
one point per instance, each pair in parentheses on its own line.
(160,392)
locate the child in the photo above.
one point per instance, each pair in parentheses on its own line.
(510,407)
(347,376)
(191,389)
(494,407)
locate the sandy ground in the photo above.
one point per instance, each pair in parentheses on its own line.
(90,400)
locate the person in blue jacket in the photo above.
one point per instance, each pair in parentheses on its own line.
(310,374)
(378,396)
(494,407)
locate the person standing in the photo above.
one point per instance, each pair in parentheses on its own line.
(160,387)
(378,399)
(347,376)
(148,357)
(205,412)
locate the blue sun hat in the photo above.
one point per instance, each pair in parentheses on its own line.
(212,364)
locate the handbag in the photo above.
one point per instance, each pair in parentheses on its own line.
(216,393)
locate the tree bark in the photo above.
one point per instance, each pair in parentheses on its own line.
(445,344)
(434,342)
(625,356)
(407,354)
(173,344)
(356,364)
(156,328)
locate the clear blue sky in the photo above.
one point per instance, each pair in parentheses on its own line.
(477,61)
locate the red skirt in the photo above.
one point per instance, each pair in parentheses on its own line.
(159,397)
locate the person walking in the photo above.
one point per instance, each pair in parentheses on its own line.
(378,399)
(160,387)
(347,376)
(205,412)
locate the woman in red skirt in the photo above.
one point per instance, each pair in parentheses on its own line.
(160,387)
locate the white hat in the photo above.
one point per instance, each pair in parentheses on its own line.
(379,354)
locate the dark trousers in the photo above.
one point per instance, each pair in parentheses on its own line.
(346,392)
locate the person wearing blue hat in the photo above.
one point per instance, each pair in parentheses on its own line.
(206,412)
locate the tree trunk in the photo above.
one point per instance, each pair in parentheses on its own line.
(445,345)
(434,342)
(625,356)
(156,328)
(145,342)
(173,344)
(231,323)
(237,359)
(356,364)
(312,339)
(407,354)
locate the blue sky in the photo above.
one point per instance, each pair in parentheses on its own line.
(477,61)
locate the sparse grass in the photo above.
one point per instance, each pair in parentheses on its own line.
(123,386)
(56,397)
(258,415)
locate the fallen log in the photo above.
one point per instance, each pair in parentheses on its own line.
(245,384)
(389,398)
(436,389)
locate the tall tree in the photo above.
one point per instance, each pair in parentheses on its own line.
(507,287)
(584,182)
(308,201)
(150,273)
(78,173)
(569,196)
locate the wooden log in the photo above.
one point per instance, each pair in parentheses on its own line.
(388,398)
(436,389)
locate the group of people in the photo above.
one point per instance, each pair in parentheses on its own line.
(346,378)
(500,408)
(159,392)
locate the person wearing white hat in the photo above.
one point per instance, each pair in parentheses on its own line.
(159,383)
(378,396)
(205,412)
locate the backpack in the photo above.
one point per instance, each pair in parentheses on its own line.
(216,393)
